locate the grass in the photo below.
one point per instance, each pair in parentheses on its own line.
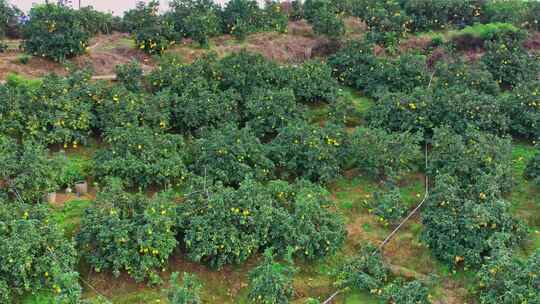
(69,216)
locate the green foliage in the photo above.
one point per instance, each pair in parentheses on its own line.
(412,292)
(469,76)
(510,63)
(245,71)
(310,151)
(365,271)
(267,110)
(533,15)
(55,32)
(423,110)
(230,155)
(95,22)
(57,110)
(383,154)
(304,221)
(153,33)
(130,75)
(387,22)
(243,17)
(510,11)
(475,36)
(222,225)
(72,170)
(388,205)
(357,66)
(142,157)
(9,23)
(522,105)
(118,107)
(271,282)
(324,17)
(27,172)
(202,104)
(35,255)
(313,82)
(441,14)
(508,279)
(196,19)
(472,156)
(532,171)
(188,292)
(128,232)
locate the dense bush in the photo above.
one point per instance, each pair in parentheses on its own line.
(35,255)
(202,104)
(510,63)
(142,157)
(271,282)
(309,151)
(229,155)
(27,172)
(532,171)
(128,232)
(187,293)
(522,105)
(471,157)
(196,19)
(441,14)
(510,11)
(242,17)
(386,20)
(477,35)
(55,32)
(462,226)
(324,17)
(304,221)
(510,279)
(423,110)
(533,15)
(9,20)
(458,73)
(222,225)
(153,33)
(130,75)
(365,271)
(121,108)
(245,71)
(267,110)
(313,82)
(383,154)
(357,66)
(95,22)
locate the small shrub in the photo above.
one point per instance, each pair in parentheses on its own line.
(477,35)
(141,157)
(187,293)
(412,292)
(128,232)
(365,271)
(510,11)
(242,15)
(383,154)
(55,32)
(309,151)
(230,155)
(387,205)
(271,282)
(35,254)
(95,22)
(386,21)
(326,21)
(27,171)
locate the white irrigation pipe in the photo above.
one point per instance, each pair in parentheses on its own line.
(389,237)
